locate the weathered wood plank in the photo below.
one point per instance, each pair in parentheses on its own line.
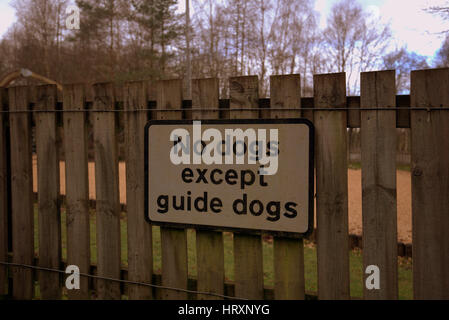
(3,193)
(285,93)
(430,183)
(48,192)
(210,263)
(205,94)
(244,94)
(331,187)
(289,281)
(379,143)
(248,266)
(21,193)
(248,274)
(173,241)
(209,244)
(140,246)
(107,192)
(169,96)
(77,187)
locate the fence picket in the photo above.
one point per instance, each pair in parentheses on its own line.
(285,91)
(173,240)
(205,95)
(248,274)
(244,94)
(140,243)
(107,191)
(3,194)
(22,193)
(378,141)
(331,187)
(77,187)
(209,244)
(48,192)
(430,183)
(289,282)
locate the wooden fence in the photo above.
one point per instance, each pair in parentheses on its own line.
(370,112)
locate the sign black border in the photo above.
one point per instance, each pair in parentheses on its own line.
(308,123)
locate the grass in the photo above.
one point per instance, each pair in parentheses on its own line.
(310,260)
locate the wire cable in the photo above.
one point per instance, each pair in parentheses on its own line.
(121,280)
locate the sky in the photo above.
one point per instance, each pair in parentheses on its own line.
(411,26)
(7,16)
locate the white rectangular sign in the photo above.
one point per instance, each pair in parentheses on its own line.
(246,175)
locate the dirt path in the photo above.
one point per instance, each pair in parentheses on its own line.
(404,204)
(355,196)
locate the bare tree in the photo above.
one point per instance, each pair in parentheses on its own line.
(355,40)
(403,62)
(255,37)
(343,32)
(441,11)
(39,27)
(442,56)
(263,27)
(292,38)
